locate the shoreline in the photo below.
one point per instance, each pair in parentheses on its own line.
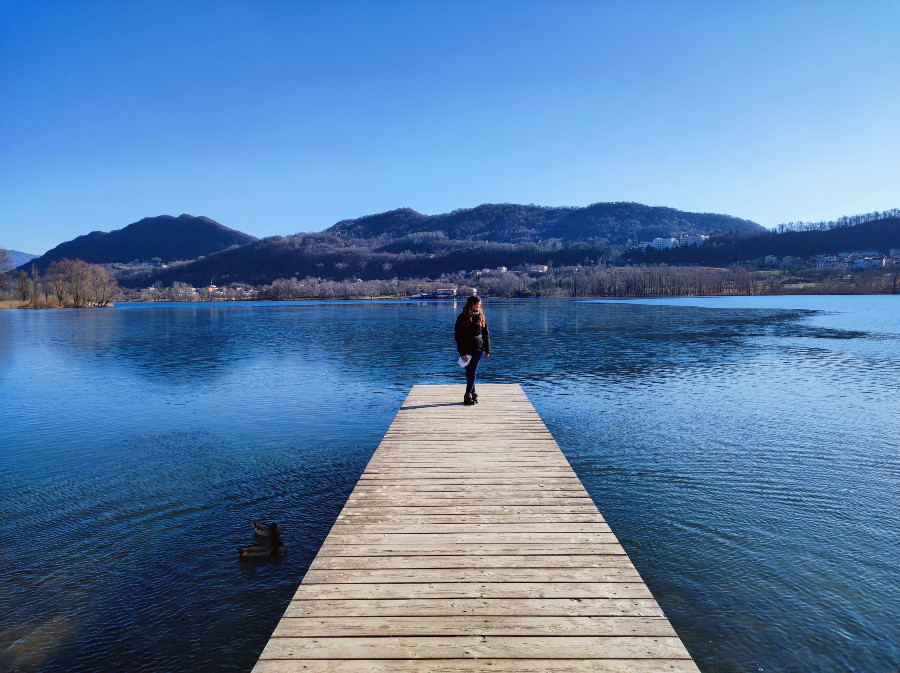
(25,306)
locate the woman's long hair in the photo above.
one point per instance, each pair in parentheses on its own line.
(469,311)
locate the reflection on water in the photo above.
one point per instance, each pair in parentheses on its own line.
(744,450)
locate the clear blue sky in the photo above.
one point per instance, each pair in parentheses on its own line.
(276,116)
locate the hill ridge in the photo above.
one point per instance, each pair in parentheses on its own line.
(164,237)
(405,243)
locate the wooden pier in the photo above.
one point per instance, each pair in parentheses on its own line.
(469,544)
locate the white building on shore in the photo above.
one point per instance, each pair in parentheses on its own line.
(692,239)
(664,243)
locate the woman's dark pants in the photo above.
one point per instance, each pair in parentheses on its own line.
(471,371)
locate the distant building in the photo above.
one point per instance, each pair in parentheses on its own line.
(830,262)
(770,260)
(668,243)
(865,262)
(537,268)
(445,292)
(693,239)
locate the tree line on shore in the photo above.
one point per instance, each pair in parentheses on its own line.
(575,281)
(66,283)
(75,283)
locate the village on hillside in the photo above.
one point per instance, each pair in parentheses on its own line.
(847,261)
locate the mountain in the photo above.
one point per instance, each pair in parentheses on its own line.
(17,259)
(405,243)
(165,237)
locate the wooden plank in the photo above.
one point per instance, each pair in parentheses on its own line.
(472,484)
(443,499)
(480,480)
(476,666)
(440,473)
(471,546)
(454,590)
(467,625)
(477,646)
(495,529)
(486,537)
(454,509)
(613,558)
(623,573)
(428,607)
(348,517)
(330,549)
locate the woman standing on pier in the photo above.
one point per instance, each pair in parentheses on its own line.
(472,339)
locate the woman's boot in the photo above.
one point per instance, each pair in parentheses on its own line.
(467,399)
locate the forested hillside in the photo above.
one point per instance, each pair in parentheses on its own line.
(403,243)
(873,231)
(609,223)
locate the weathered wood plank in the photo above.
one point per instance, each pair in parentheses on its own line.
(467,625)
(623,573)
(463,647)
(436,498)
(495,478)
(348,517)
(445,485)
(454,590)
(454,509)
(331,549)
(438,607)
(487,537)
(422,473)
(471,546)
(497,529)
(615,558)
(476,666)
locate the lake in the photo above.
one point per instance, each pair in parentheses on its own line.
(744,450)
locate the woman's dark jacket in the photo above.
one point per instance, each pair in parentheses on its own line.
(471,337)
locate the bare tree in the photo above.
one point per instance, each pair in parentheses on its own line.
(23,286)
(68,280)
(35,289)
(103,286)
(894,276)
(59,279)
(80,276)
(5,267)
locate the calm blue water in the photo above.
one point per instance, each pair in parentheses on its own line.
(745,451)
